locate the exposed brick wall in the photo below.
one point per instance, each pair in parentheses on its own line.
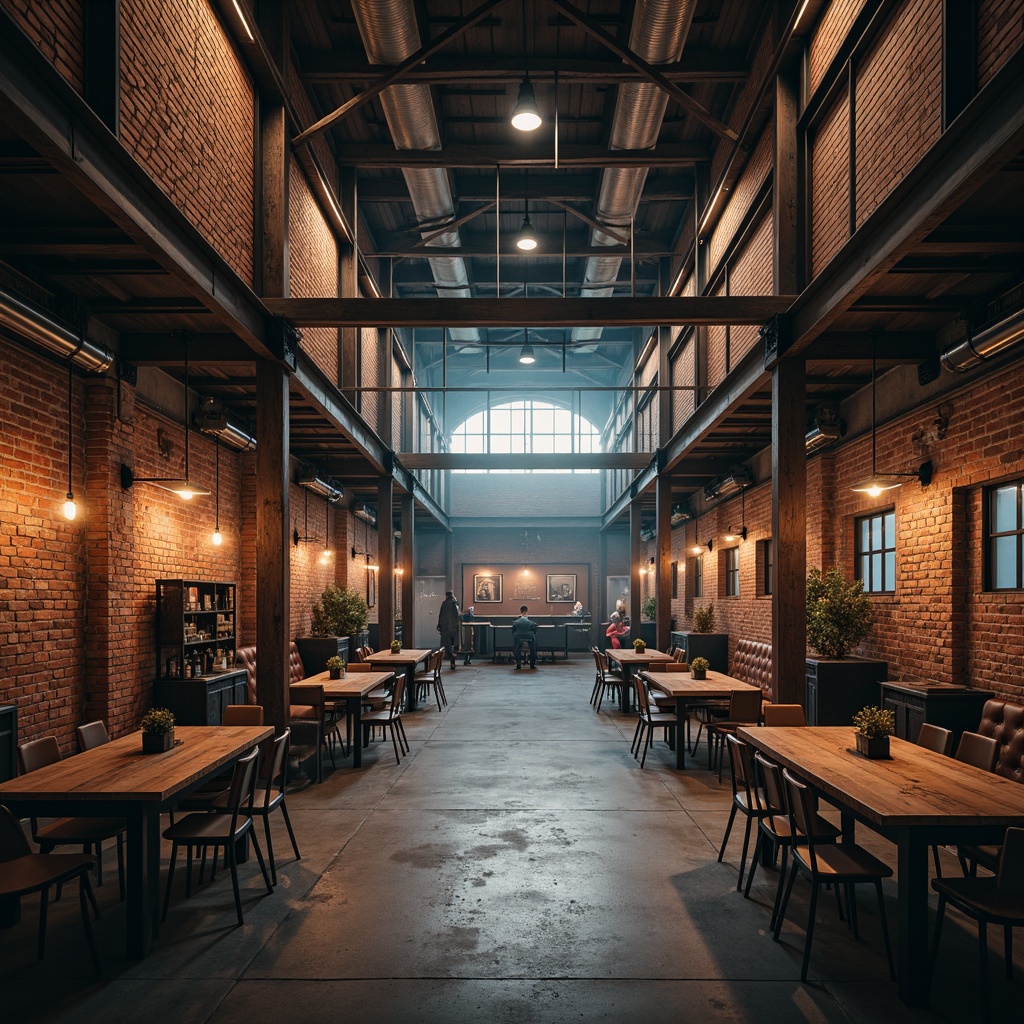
(57,29)
(716,348)
(312,267)
(829,34)
(370,375)
(830,184)
(307,116)
(1000,33)
(751,274)
(898,97)
(187,117)
(683,376)
(739,201)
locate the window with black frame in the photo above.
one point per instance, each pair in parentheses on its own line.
(1004,536)
(698,576)
(875,552)
(732,572)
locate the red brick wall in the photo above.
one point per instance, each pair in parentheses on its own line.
(682,376)
(751,274)
(898,100)
(1000,33)
(57,29)
(830,184)
(828,36)
(739,201)
(313,267)
(370,375)
(716,345)
(187,117)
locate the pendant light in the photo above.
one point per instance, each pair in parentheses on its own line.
(526,240)
(217,538)
(526,356)
(878,483)
(70,508)
(326,556)
(526,114)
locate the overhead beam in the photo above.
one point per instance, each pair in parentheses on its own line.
(614,312)
(536,460)
(166,350)
(645,252)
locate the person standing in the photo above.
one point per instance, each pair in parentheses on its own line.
(524,630)
(448,625)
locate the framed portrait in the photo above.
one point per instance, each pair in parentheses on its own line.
(487,588)
(562,588)
(371,589)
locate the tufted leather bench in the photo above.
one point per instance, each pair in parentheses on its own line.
(1005,722)
(245,657)
(752,663)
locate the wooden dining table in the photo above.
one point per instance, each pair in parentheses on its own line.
(915,798)
(404,659)
(630,661)
(117,780)
(688,690)
(351,690)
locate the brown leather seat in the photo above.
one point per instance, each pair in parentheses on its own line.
(784,714)
(752,663)
(92,734)
(1004,722)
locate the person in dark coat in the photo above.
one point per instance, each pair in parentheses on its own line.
(448,625)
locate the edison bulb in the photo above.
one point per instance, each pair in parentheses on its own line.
(70,508)
(217,538)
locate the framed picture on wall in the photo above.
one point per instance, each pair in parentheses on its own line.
(487,588)
(371,589)
(562,588)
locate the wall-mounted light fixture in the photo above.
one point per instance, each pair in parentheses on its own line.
(877,483)
(327,553)
(365,553)
(741,533)
(70,508)
(711,544)
(304,537)
(697,548)
(183,487)
(217,539)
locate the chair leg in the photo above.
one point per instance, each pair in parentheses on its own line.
(781,916)
(646,742)
(291,834)
(778,889)
(885,929)
(259,858)
(1008,950)
(983,967)
(743,855)
(270,848)
(758,847)
(728,829)
(939,914)
(935,858)
(811,911)
(85,897)
(170,880)
(394,743)
(234,881)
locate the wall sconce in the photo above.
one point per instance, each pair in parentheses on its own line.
(70,508)
(304,537)
(711,544)
(879,482)
(741,533)
(365,553)
(326,556)
(697,548)
(217,539)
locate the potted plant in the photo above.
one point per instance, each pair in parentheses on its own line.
(396,646)
(699,668)
(648,608)
(639,645)
(874,727)
(157,731)
(336,622)
(336,667)
(703,642)
(838,619)
(704,619)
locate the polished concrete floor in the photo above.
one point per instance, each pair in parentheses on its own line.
(517,866)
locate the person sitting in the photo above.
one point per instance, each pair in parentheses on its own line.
(577,610)
(617,630)
(524,630)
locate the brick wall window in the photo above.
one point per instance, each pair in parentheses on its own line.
(698,576)
(1004,537)
(766,567)
(732,572)
(875,543)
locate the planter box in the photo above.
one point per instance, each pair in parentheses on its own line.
(837,690)
(315,650)
(713,646)
(157,742)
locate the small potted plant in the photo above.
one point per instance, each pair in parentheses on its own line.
(704,619)
(699,668)
(396,646)
(157,731)
(874,727)
(639,645)
(336,667)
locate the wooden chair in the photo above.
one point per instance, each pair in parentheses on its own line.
(309,706)
(92,734)
(997,899)
(784,714)
(25,872)
(745,799)
(243,714)
(603,685)
(391,716)
(647,720)
(430,677)
(679,654)
(845,864)
(981,751)
(744,709)
(89,833)
(205,831)
(934,737)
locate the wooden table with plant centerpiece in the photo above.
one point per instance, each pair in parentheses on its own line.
(117,780)
(406,659)
(629,661)
(915,798)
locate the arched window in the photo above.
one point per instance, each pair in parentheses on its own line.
(526,427)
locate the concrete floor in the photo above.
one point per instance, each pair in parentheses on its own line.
(518,866)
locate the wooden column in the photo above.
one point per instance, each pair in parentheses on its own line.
(635,555)
(787,211)
(386,561)
(273,544)
(348,288)
(408,564)
(789,531)
(663,562)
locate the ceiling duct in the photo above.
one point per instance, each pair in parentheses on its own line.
(390,35)
(658,33)
(327,488)
(366,513)
(40,328)
(210,418)
(823,428)
(647,530)
(681,513)
(965,354)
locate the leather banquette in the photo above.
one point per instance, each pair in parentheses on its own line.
(1005,722)
(752,663)
(245,657)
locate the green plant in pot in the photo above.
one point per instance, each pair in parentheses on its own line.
(339,612)
(639,645)
(157,731)
(838,613)
(648,608)
(874,727)
(704,619)
(699,668)
(396,646)
(336,667)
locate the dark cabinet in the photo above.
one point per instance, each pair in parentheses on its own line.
(957,708)
(8,741)
(315,650)
(195,628)
(837,690)
(713,646)
(201,700)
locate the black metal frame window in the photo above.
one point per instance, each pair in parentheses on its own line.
(875,552)
(1004,536)
(698,576)
(767,567)
(732,572)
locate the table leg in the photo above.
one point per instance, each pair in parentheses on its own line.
(912,927)
(10,911)
(681,733)
(353,711)
(140,902)
(410,688)
(625,689)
